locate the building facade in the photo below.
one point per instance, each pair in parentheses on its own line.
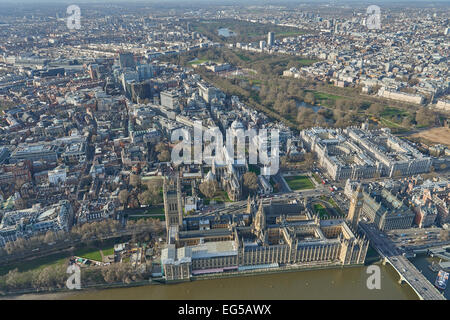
(266,235)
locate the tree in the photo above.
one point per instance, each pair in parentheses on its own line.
(20,203)
(135,180)
(164,156)
(49,237)
(423,117)
(305,116)
(444,235)
(250,181)
(145,198)
(133,201)
(163,152)
(160,147)
(310,98)
(152,195)
(209,188)
(406,122)
(123,196)
(375,109)
(309,160)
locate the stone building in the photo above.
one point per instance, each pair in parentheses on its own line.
(266,235)
(386,210)
(355,153)
(173,210)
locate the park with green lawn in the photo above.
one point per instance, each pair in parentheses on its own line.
(155,212)
(91,253)
(95,252)
(299,182)
(197,61)
(36,264)
(321,210)
(220,197)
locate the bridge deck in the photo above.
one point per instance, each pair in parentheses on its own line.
(408,272)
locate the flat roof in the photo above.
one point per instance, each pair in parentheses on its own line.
(204,233)
(214,249)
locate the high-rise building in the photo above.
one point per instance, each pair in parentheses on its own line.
(270,39)
(145,71)
(262,44)
(94,71)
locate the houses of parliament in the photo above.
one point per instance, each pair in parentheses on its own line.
(266,234)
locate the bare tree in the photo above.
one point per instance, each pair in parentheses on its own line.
(123,196)
(250,181)
(209,188)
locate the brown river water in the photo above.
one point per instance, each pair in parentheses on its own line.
(340,283)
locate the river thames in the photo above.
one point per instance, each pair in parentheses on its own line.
(341,283)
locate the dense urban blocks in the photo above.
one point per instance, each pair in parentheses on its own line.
(90,135)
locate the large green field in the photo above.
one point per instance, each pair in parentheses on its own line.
(198,61)
(321,210)
(299,182)
(36,264)
(89,253)
(93,253)
(244,31)
(322,98)
(288,34)
(220,197)
(154,212)
(306,62)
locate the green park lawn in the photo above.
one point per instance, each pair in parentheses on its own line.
(324,96)
(307,62)
(155,210)
(321,210)
(299,182)
(108,251)
(89,253)
(93,253)
(288,34)
(36,264)
(198,61)
(221,197)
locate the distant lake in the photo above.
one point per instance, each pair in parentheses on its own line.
(309,106)
(225,32)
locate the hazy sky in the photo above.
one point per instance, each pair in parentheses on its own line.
(224,2)
(214,1)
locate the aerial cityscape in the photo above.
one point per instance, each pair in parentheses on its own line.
(268,150)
